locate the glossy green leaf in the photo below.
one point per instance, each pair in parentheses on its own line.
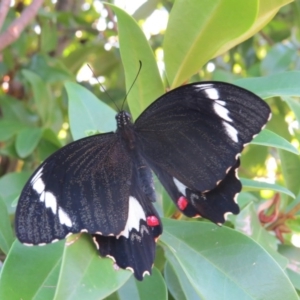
(6,234)
(86,112)
(210,28)
(31,273)
(213,256)
(41,95)
(271,139)
(248,223)
(84,275)
(250,184)
(178,283)
(152,287)
(281,84)
(27,140)
(134,48)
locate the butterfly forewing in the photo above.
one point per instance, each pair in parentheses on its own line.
(82,187)
(196,132)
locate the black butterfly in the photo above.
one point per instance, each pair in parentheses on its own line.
(190,137)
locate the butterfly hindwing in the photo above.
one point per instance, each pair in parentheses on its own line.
(134,247)
(212,205)
(81,187)
(196,132)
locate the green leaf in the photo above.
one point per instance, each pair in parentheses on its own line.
(209,23)
(134,48)
(178,283)
(213,256)
(6,234)
(84,275)
(41,264)
(281,84)
(11,185)
(8,129)
(278,59)
(248,223)
(271,139)
(41,95)
(27,140)
(250,184)
(290,166)
(152,287)
(292,253)
(86,112)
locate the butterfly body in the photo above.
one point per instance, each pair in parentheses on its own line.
(191,138)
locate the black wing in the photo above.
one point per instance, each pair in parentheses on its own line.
(134,247)
(83,187)
(196,132)
(213,205)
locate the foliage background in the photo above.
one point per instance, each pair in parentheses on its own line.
(254,44)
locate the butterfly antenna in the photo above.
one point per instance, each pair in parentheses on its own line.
(136,77)
(104,89)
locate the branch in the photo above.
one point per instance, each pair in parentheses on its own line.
(18,25)
(4,7)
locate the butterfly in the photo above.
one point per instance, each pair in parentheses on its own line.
(191,138)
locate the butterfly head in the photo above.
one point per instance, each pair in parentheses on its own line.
(123,119)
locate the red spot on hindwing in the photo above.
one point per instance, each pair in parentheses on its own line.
(152,221)
(182,203)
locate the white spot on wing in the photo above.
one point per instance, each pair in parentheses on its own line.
(38,186)
(202,86)
(64,219)
(221,102)
(50,201)
(212,93)
(231,131)
(222,112)
(181,187)
(37,175)
(135,214)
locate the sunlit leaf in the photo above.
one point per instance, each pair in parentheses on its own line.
(271,139)
(134,48)
(87,113)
